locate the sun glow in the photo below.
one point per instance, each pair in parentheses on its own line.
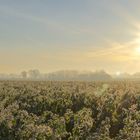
(137,46)
(137,51)
(118,73)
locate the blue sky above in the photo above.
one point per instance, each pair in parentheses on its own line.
(55,34)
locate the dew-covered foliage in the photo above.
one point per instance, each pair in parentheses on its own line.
(69,110)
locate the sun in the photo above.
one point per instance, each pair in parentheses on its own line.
(118,73)
(137,50)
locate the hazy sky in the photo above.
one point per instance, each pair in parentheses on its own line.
(52,35)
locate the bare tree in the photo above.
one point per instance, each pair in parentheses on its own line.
(34,74)
(24,74)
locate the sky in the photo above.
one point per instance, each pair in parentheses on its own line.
(85,35)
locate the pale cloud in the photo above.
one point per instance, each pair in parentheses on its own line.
(126,15)
(51,24)
(117,51)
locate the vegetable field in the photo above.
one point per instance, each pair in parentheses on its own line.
(69,110)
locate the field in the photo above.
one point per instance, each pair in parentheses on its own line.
(69,110)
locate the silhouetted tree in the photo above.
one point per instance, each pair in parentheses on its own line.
(24,74)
